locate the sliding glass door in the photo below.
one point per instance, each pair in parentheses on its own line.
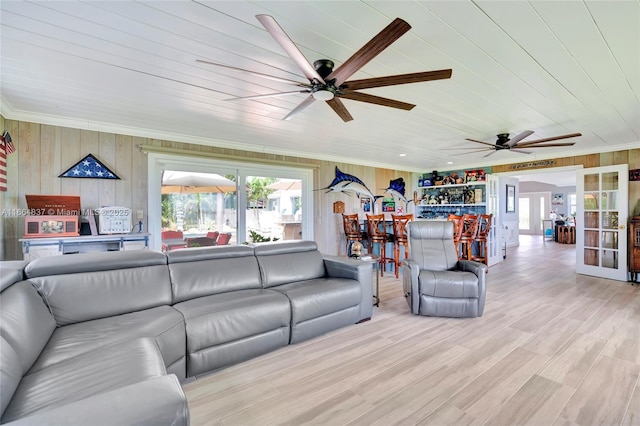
(250,202)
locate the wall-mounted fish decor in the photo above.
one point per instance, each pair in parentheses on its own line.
(347,183)
(396,189)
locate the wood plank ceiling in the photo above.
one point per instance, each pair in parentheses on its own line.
(130,67)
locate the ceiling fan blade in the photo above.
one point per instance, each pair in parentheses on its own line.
(259,74)
(378,100)
(571,135)
(484,143)
(393,80)
(547,145)
(491,153)
(269,95)
(480,148)
(289,47)
(304,104)
(521,151)
(517,138)
(370,50)
(339,108)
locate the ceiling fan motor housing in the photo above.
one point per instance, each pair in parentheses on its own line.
(503,138)
(324,67)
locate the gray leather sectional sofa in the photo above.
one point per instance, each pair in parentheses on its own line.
(106,338)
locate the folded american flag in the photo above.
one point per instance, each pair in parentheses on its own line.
(8,143)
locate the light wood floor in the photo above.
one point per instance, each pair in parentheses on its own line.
(553,348)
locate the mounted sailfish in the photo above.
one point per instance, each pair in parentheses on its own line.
(346,183)
(396,189)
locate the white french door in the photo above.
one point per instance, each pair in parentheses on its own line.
(533,208)
(602,210)
(494,251)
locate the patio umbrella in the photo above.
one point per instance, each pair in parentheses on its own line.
(174,182)
(177,182)
(286,184)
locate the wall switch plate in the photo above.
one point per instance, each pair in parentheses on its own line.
(140,214)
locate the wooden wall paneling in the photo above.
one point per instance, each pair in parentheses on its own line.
(633,156)
(107,155)
(50,151)
(139,196)
(28,150)
(90,197)
(593,160)
(122,164)
(620,157)
(71,154)
(606,159)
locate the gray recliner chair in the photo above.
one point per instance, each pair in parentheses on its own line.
(435,282)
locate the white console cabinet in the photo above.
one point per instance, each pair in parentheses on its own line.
(34,248)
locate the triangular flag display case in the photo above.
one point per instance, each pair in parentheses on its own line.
(89,168)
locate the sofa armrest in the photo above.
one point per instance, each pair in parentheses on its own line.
(480,271)
(410,284)
(361,271)
(159,400)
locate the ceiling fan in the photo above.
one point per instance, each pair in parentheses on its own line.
(331,85)
(514,144)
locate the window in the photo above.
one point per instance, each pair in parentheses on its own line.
(272,201)
(572,204)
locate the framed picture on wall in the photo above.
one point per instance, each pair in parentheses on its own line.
(511,199)
(557,199)
(365,204)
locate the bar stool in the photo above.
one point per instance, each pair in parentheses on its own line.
(351,225)
(482,238)
(467,235)
(457,230)
(400,237)
(376,228)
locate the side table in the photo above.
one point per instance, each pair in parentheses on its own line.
(375,260)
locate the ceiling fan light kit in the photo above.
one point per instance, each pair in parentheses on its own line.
(329,85)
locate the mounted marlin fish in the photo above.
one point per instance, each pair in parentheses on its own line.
(396,189)
(347,183)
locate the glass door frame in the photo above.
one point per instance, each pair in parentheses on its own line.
(598,226)
(162,161)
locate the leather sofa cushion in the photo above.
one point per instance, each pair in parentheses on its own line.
(226,317)
(10,373)
(212,270)
(448,284)
(87,296)
(318,297)
(11,271)
(104,369)
(430,245)
(155,401)
(93,262)
(25,322)
(164,324)
(288,262)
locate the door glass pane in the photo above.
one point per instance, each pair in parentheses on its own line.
(610,181)
(590,257)
(274,209)
(610,220)
(610,239)
(609,200)
(591,182)
(524,213)
(591,201)
(610,259)
(591,219)
(591,238)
